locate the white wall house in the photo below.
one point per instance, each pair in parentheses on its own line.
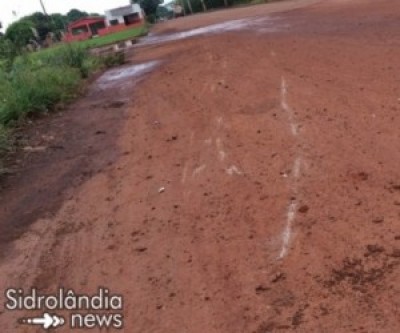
(124,15)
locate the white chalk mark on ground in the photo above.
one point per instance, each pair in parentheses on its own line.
(208,141)
(294,177)
(219,122)
(220,149)
(191,138)
(198,170)
(285,106)
(292,208)
(287,232)
(184,173)
(233,169)
(297,168)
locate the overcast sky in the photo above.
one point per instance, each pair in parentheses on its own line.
(26,7)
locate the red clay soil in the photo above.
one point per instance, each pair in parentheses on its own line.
(249,183)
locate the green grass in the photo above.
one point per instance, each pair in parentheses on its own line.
(37,82)
(114,38)
(74,56)
(54,51)
(28,91)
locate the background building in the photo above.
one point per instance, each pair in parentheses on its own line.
(115,20)
(126,15)
(84,28)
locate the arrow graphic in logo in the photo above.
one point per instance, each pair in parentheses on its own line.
(46,321)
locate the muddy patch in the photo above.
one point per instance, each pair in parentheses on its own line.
(128,75)
(264,24)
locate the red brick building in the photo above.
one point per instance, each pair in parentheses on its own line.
(117,19)
(84,28)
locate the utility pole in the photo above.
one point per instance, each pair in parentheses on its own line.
(44,9)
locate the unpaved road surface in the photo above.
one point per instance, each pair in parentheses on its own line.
(243,178)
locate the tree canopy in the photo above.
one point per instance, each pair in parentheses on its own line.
(149,7)
(75,14)
(20,33)
(37,26)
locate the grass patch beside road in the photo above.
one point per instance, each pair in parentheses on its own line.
(27,91)
(114,38)
(38,82)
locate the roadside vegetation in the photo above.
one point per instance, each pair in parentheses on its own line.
(41,30)
(34,82)
(37,73)
(39,82)
(114,38)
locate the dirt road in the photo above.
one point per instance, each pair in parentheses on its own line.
(239,178)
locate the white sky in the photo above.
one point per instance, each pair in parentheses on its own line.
(26,7)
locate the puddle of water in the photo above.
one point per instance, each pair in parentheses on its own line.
(119,75)
(264,24)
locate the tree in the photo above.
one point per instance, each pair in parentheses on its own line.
(42,23)
(75,14)
(8,52)
(59,22)
(149,7)
(189,6)
(164,12)
(43,7)
(20,33)
(38,26)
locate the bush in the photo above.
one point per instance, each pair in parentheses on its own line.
(8,52)
(114,59)
(67,55)
(37,82)
(27,92)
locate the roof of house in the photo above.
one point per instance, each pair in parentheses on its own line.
(86,20)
